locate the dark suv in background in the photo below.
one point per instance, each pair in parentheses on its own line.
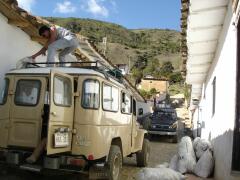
(163,121)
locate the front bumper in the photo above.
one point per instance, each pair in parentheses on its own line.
(163,133)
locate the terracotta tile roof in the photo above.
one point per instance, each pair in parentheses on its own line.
(184,48)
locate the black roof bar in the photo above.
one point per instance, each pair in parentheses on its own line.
(103,68)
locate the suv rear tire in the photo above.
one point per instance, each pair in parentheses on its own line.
(114,162)
(143,155)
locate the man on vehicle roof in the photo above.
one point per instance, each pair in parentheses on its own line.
(58,39)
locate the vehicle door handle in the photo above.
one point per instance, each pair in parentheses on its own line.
(54,113)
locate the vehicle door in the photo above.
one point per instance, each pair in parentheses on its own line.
(27,99)
(61,113)
(5,101)
(137,133)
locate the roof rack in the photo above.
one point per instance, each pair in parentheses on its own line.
(60,64)
(96,65)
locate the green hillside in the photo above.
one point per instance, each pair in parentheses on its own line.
(126,45)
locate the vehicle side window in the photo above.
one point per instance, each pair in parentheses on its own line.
(90,95)
(110,98)
(62,91)
(27,92)
(4,92)
(126,103)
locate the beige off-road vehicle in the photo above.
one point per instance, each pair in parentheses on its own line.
(87,115)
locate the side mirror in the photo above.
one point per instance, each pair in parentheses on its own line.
(140,111)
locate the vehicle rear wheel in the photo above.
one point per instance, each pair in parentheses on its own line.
(114,162)
(143,155)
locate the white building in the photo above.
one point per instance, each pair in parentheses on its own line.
(211,50)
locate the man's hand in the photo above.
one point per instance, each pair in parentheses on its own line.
(44,53)
(33,59)
(41,52)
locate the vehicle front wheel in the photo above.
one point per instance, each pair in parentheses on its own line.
(175,139)
(114,162)
(143,155)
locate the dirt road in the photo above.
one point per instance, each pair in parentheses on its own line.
(161,151)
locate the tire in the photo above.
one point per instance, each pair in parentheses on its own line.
(174,139)
(114,163)
(149,137)
(143,155)
(146,124)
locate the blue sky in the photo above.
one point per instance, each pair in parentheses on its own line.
(132,14)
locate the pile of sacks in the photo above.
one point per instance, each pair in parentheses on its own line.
(196,158)
(204,155)
(193,157)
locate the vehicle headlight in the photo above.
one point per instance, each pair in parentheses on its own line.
(173,126)
(154,126)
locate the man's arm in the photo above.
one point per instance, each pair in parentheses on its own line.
(41,52)
(53,37)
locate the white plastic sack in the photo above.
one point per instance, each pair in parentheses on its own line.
(195,142)
(164,165)
(186,147)
(205,164)
(186,164)
(200,146)
(173,163)
(159,174)
(22,63)
(186,156)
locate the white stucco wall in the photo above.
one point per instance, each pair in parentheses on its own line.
(219,127)
(15,44)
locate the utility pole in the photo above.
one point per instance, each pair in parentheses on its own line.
(129,64)
(104,45)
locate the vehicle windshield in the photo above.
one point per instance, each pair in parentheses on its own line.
(4,91)
(164,116)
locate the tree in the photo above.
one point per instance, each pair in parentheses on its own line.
(143,92)
(167,69)
(153,92)
(137,75)
(141,61)
(74,26)
(152,67)
(175,77)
